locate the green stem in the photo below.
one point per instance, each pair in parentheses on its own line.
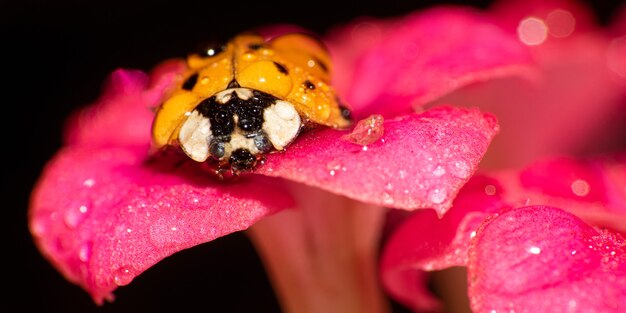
(322,256)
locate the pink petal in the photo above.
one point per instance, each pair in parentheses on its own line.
(527,110)
(123,114)
(424,242)
(395,67)
(543,259)
(593,189)
(102,216)
(420,161)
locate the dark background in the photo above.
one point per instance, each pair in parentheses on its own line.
(55,57)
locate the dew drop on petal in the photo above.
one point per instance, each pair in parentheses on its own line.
(123,276)
(366,131)
(84,253)
(74,216)
(335,167)
(439,171)
(437,196)
(388,199)
(460,169)
(89,182)
(534,250)
(532,31)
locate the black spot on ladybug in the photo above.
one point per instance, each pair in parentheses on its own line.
(309,84)
(281,68)
(190,82)
(322,65)
(255,46)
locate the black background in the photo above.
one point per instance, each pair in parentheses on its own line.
(55,57)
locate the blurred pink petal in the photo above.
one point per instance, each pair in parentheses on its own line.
(424,242)
(104,215)
(420,161)
(391,67)
(594,189)
(123,113)
(543,259)
(527,109)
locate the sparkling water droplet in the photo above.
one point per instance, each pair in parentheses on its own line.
(439,171)
(437,196)
(490,190)
(89,182)
(39,226)
(74,216)
(84,253)
(460,169)
(388,199)
(334,167)
(123,276)
(389,186)
(366,131)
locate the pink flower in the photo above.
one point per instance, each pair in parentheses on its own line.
(103,211)
(540,226)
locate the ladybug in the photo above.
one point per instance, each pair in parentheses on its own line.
(238,101)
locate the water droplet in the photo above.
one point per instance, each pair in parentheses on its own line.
(39,226)
(580,187)
(437,196)
(402,174)
(388,199)
(439,170)
(334,167)
(84,253)
(366,131)
(534,250)
(74,216)
(89,182)
(460,169)
(123,276)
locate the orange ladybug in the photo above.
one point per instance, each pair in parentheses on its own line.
(238,101)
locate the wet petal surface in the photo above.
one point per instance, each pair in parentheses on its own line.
(540,258)
(424,242)
(103,216)
(419,161)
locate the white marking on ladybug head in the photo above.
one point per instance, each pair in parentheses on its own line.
(195,135)
(281,123)
(241,93)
